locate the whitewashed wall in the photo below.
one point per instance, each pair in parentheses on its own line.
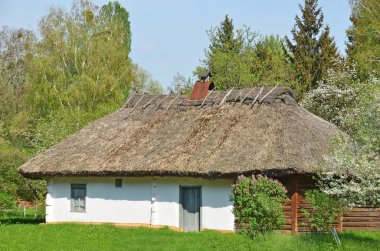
(146,200)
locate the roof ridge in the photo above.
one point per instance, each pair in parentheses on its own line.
(248,96)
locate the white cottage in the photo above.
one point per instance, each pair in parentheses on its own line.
(165,160)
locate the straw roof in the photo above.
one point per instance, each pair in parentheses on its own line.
(222,135)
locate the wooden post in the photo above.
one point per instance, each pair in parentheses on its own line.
(340,222)
(295,208)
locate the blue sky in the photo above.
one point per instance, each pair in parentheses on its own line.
(169,36)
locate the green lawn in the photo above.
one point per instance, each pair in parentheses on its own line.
(107,237)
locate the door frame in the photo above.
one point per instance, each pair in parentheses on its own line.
(181,207)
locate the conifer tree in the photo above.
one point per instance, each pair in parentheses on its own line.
(328,54)
(224,38)
(224,57)
(314,51)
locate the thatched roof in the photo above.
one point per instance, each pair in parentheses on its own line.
(170,135)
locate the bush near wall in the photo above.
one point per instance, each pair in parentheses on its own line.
(258,204)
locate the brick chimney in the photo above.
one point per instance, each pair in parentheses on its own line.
(202,86)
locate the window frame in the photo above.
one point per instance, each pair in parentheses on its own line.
(73,208)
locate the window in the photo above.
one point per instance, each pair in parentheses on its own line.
(118,182)
(78,197)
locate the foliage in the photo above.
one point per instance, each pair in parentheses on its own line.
(363,121)
(12,184)
(16,51)
(181,85)
(351,173)
(258,205)
(271,65)
(223,38)
(364,38)
(325,210)
(144,83)
(240,58)
(336,96)
(230,56)
(55,127)
(30,215)
(113,12)
(94,237)
(52,85)
(313,51)
(6,201)
(80,64)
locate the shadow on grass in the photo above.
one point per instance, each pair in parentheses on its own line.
(348,239)
(18,216)
(362,237)
(20,220)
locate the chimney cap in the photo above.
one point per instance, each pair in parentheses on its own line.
(204,75)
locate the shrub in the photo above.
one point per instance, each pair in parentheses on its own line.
(325,210)
(258,205)
(6,201)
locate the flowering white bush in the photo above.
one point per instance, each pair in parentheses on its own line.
(335,96)
(351,174)
(351,171)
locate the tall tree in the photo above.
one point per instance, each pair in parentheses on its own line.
(229,56)
(271,64)
(114,12)
(16,53)
(223,38)
(240,58)
(81,71)
(81,62)
(313,50)
(364,37)
(328,57)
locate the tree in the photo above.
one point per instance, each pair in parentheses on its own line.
(76,71)
(223,38)
(81,70)
(313,52)
(16,53)
(336,96)
(12,184)
(224,57)
(363,46)
(328,56)
(181,85)
(144,83)
(271,64)
(114,12)
(81,61)
(350,172)
(240,58)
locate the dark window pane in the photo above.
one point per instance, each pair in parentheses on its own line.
(118,182)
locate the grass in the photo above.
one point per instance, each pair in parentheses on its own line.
(108,237)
